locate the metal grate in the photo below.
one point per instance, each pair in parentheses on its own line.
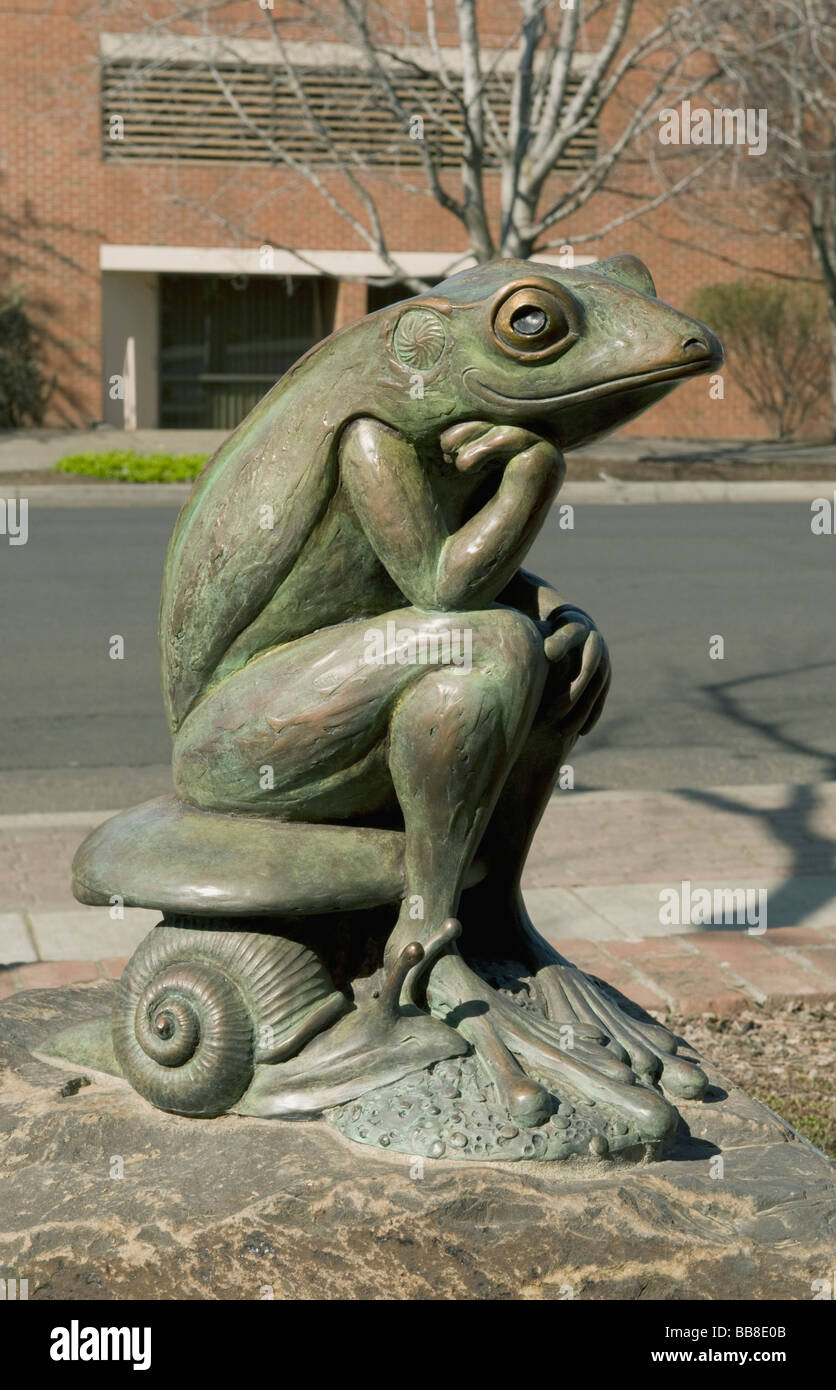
(177,110)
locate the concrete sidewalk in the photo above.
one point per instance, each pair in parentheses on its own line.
(601,869)
(27,458)
(40,449)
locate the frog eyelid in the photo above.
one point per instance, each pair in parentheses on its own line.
(538,293)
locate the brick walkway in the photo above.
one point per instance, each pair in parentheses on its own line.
(696,973)
(593,884)
(601,861)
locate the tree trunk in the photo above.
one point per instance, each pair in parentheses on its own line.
(832,308)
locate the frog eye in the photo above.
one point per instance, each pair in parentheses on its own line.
(533,323)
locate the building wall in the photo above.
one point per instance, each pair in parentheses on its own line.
(60,203)
(130,309)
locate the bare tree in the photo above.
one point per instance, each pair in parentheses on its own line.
(510,136)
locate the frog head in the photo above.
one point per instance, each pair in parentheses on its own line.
(571,353)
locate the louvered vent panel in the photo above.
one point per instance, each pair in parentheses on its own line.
(178,111)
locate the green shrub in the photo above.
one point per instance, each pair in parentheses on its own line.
(777,345)
(23,388)
(132,467)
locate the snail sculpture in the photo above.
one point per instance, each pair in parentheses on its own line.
(199,1010)
(338,869)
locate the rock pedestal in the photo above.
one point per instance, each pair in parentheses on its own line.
(103,1197)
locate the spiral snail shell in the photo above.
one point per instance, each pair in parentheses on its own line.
(197,1010)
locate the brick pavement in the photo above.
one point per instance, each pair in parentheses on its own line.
(593,885)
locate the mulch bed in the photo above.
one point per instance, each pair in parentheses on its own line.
(782,1053)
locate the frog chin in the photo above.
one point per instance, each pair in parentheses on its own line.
(576,417)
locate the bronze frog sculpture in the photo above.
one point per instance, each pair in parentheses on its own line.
(339,868)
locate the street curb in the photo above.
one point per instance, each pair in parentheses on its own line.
(610,493)
(616,491)
(53,820)
(100,494)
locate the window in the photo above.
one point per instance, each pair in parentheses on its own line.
(381,296)
(225,340)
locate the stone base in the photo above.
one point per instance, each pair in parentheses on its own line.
(232,1208)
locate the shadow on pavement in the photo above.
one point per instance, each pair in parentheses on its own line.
(791,824)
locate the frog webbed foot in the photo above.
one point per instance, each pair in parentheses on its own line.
(589,1013)
(584,1045)
(567,993)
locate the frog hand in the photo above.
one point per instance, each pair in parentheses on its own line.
(575,645)
(474,444)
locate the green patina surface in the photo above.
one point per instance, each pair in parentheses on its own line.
(369,701)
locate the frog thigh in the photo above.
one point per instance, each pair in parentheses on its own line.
(304,726)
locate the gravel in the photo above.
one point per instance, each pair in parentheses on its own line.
(782,1052)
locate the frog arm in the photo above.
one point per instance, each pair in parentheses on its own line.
(532,596)
(539,601)
(395,504)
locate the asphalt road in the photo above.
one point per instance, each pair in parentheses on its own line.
(81,730)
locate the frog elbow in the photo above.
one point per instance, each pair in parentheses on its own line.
(446,593)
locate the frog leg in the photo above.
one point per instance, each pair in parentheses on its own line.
(510,831)
(451,740)
(339,733)
(568,996)
(452,737)
(314,710)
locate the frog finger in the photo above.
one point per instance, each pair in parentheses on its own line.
(597,706)
(578,715)
(593,654)
(559,644)
(501,442)
(458,435)
(467,432)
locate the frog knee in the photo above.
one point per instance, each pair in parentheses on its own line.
(510,644)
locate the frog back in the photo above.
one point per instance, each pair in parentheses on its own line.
(251,512)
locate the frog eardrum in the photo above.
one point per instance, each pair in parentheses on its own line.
(418,339)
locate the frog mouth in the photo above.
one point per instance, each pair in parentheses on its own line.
(604,388)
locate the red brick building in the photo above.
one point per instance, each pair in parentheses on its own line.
(165,232)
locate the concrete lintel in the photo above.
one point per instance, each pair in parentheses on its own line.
(194,48)
(241,260)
